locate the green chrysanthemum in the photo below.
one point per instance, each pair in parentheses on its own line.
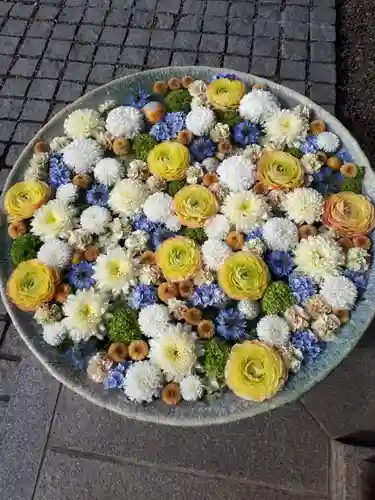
(142,145)
(277,298)
(25,248)
(123,325)
(197,234)
(178,100)
(215,358)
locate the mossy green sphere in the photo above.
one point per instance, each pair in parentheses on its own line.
(215,358)
(197,234)
(231,118)
(142,145)
(178,100)
(25,247)
(277,298)
(123,325)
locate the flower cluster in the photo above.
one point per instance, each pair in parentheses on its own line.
(209,238)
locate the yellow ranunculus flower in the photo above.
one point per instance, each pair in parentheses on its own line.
(31,284)
(225,94)
(244,275)
(194,205)
(349,213)
(255,371)
(178,258)
(24,198)
(169,161)
(279,170)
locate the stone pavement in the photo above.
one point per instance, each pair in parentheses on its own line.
(53,444)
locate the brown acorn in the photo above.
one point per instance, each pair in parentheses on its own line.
(362,241)
(171,394)
(160,87)
(184,137)
(322,157)
(186,81)
(167,291)
(259,86)
(259,188)
(41,147)
(138,350)
(193,316)
(224,147)
(82,181)
(345,242)
(235,240)
(210,178)
(154,112)
(118,352)
(186,288)
(121,146)
(91,253)
(174,83)
(206,329)
(17,229)
(317,127)
(342,314)
(147,258)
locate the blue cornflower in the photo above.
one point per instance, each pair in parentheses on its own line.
(116,376)
(202,148)
(142,296)
(59,173)
(254,233)
(175,122)
(280,263)
(158,236)
(302,287)
(160,131)
(81,275)
(358,278)
(306,341)
(230,324)
(327,180)
(140,222)
(345,156)
(310,145)
(230,76)
(246,133)
(97,195)
(209,296)
(137,99)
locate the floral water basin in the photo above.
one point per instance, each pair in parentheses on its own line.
(190,246)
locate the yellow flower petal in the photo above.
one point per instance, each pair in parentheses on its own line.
(278,170)
(225,94)
(24,198)
(244,275)
(31,284)
(178,258)
(194,205)
(255,371)
(169,161)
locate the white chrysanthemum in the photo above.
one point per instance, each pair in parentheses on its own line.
(325,326)
(114,271)
(59,143)
(286,127)
(273,330)
(143,382)
(55,333)
(154,319)
(53,219)
(47,314)
(127,197)
(159,208)
(84,312)
(82,154)
(328,142)
(311,163)
(55,253)
(258,105)
(280,234)
(67,193)
(319,257)
(214,253)
(217,227)
(108,171)
(255,245)
(304,205)
(174,352)
(237,173)
(249,308)
(95,219)
(339,292)
(191,388)
(200,120)
(357,259)
(124,121)
(83,123)
(136,242)
(245,210)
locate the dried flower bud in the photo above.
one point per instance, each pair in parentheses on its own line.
(307,230)
(186,288)
(17,229)
(160,87)
(41,147)
(138,350)
(148,258)
(322,157)
(167,291)
(82,181)
(121,147)
(61,292)
(193,316)
(317,127)
(184,137)
(92,253)
(186,81)
(174,83)
(118,352)
(235,240)
(210,178)
(259,188)
(171,394)
(206,329)
(342,314)
(345,242)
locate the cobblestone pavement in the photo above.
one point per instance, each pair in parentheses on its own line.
(55,445)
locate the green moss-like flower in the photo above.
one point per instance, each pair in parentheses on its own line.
(174,186)
(197,234)
(351,185)
(231,118)
(123,325)
(297,153)
(277,298)
(142,145)
(215,358)
(178,100)
(25,248)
